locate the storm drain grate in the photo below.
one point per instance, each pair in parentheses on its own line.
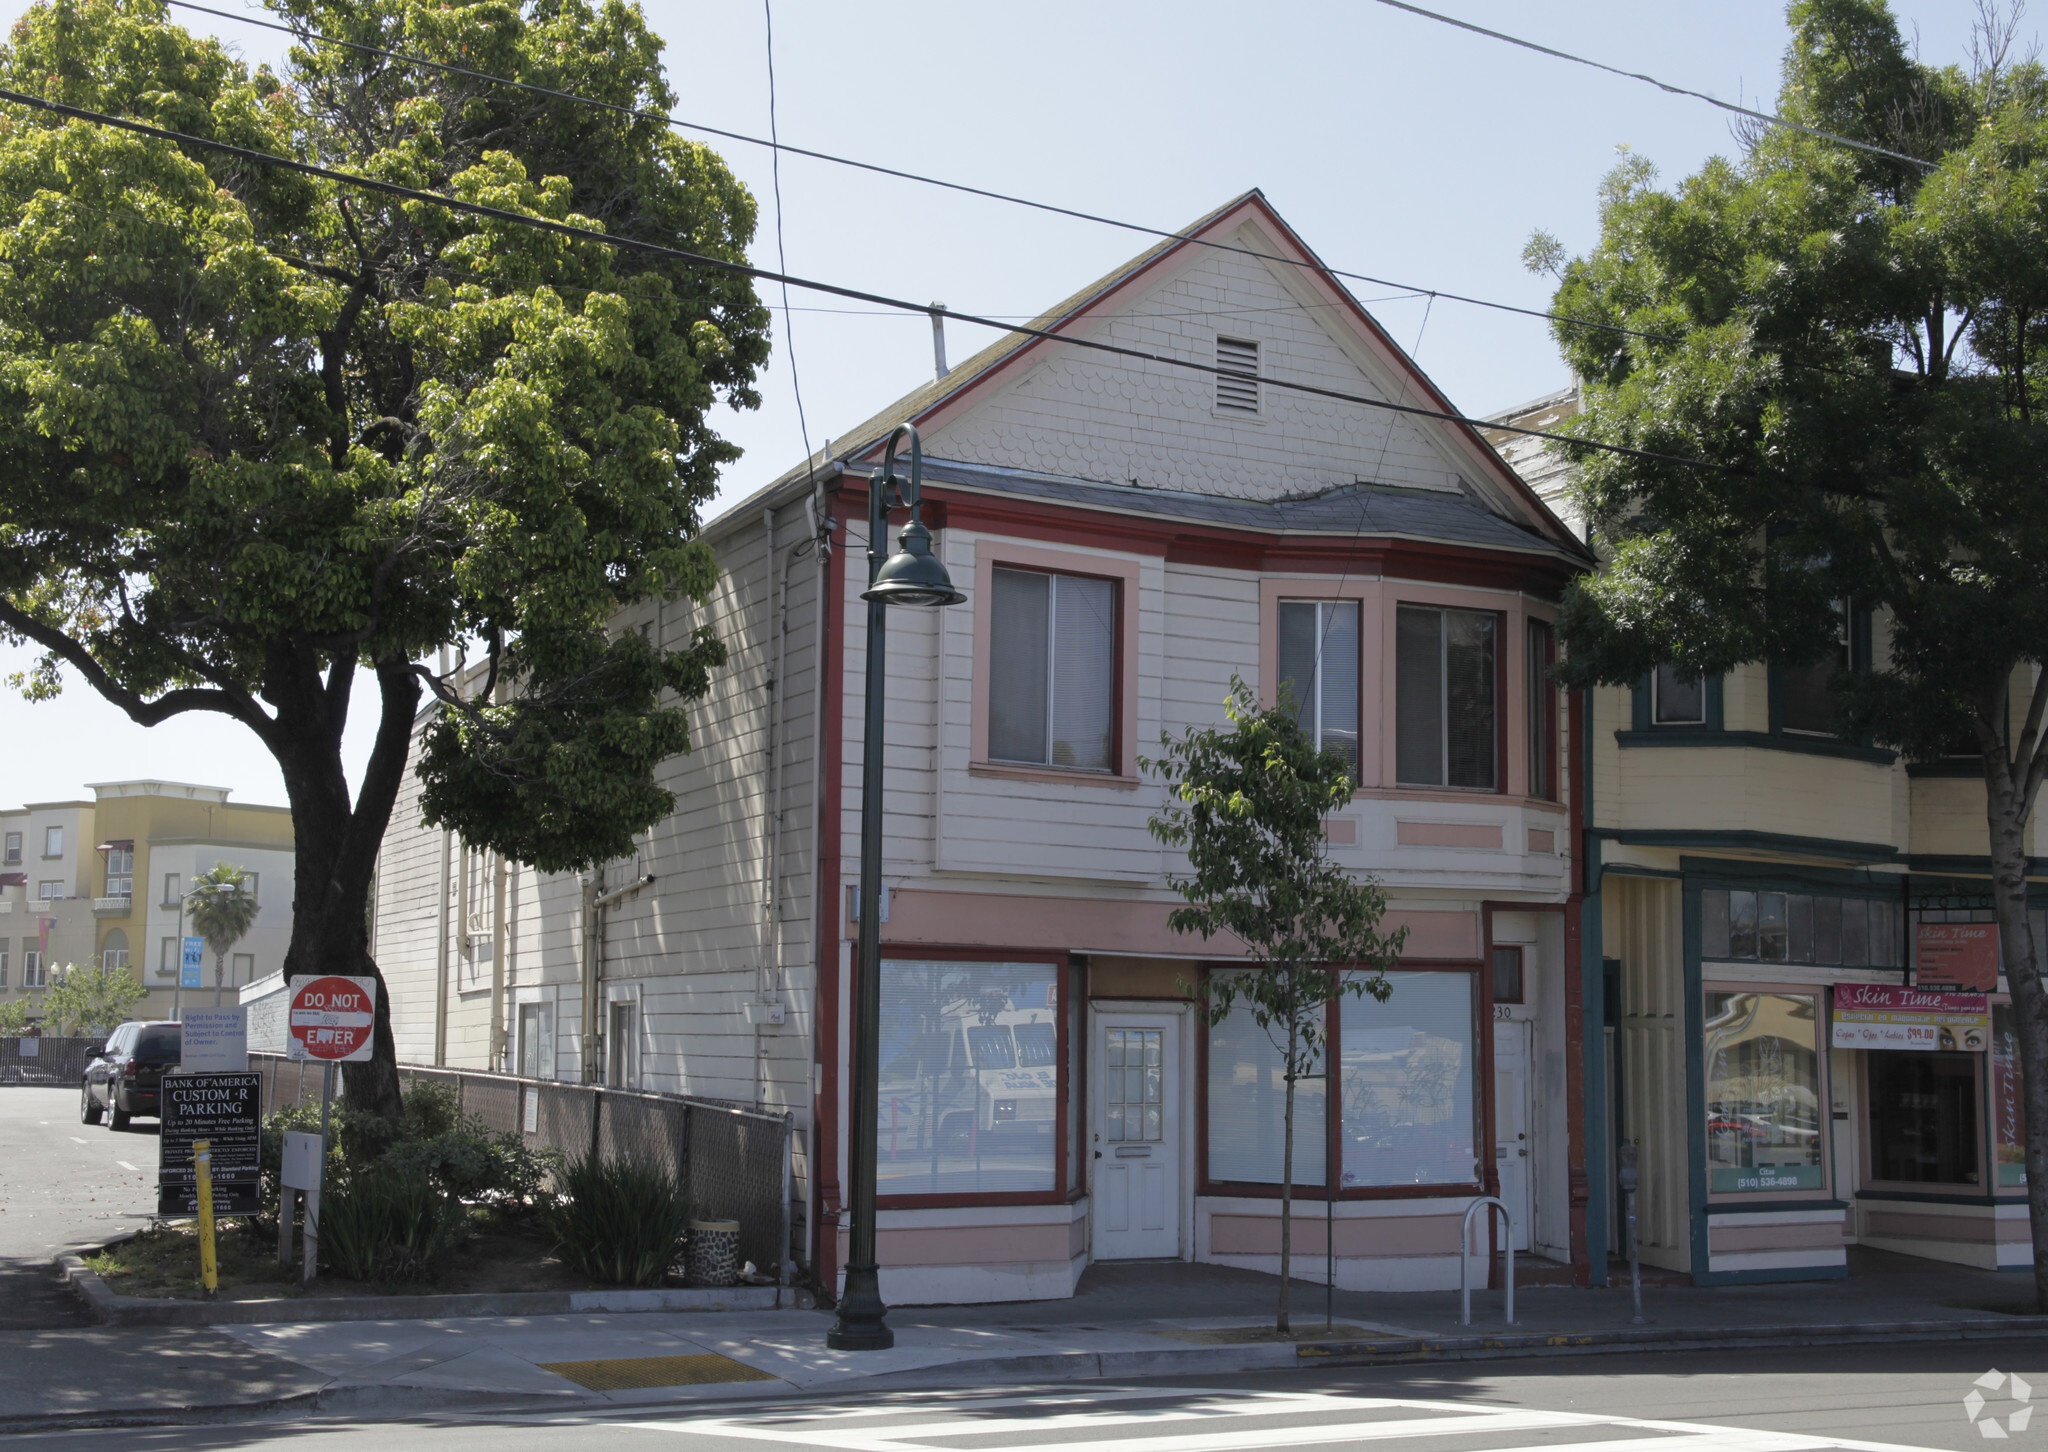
(631,1373)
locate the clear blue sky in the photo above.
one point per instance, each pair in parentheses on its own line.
(1394,145)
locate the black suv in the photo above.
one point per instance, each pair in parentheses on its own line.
(122,1078)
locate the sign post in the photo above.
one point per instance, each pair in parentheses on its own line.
(331,1019)
(202,1172)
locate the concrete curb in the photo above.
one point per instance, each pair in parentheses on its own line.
(110,1309)
(373,1400)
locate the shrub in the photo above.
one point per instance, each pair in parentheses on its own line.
(621,1221)
(389,1226)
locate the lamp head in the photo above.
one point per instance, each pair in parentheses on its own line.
(913,575)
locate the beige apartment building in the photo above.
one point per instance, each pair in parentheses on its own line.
(103,880)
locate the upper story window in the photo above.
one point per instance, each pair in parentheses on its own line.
(13,854)
(1542,712)
(1446,684)
(1805,695)
(1052,669)
(120,872)
(1237,386)
(174,889)
(53,841)
(1319,671)
(49,891)
(1677,698)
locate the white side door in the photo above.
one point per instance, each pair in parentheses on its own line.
(1512,1123)
(1136,1141)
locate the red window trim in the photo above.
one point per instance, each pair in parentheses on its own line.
(1063,1097)
(1482,1086)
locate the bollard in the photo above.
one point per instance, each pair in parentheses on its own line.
(202,1168)
(1465,1253)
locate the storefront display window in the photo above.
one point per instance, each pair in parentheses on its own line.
(1406,1081)
(1248,1101)
(1738,925)
(970,1078)
(1764,1116)
(2008,1116)
(1923,1117)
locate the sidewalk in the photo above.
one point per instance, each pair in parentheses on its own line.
(1128,1321)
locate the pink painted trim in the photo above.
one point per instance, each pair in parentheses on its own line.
(1341,831)
(1015,921)
(1542,839)
(1376,1235)
(1448,834)
(988,554)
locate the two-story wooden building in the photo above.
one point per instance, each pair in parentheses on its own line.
(1131,537)
(1760,1020)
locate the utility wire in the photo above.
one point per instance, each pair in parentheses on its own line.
(890,171)
(1764,116)
(781,257)
(762,274)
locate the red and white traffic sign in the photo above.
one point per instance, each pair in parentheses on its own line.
(331,1019)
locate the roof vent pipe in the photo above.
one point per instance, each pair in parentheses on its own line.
(939,369)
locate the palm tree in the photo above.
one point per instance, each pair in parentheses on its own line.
(222,910)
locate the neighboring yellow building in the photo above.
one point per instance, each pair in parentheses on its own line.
(105,881)
(1748,873)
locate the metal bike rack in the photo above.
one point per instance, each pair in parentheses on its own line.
(1465,1258)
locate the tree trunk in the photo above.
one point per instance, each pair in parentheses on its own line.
(220,961)
(1287,1171)
(336,844)
(2007,811)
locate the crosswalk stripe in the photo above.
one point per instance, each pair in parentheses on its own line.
(917,1425)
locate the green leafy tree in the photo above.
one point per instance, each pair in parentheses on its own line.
(13,1018)
(270,443)
(221,909)
(89,1001)
(1856,344)
(1247,803)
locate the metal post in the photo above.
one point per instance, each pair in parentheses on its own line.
(860,1326)
(914,576)
(787,1266)
(313,1196)
(1629,1178)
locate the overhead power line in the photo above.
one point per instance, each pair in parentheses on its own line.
(762,274)
(778,146)
(1764,116)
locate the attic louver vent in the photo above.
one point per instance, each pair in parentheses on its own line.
(1234,356)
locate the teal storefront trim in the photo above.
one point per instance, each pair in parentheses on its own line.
(1697,737)
(1743,841)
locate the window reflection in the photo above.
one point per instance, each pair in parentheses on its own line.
(1763,1092)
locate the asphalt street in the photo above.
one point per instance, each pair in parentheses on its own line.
(63,1186)
(1860,1399)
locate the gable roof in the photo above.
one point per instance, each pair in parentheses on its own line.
(1004,358)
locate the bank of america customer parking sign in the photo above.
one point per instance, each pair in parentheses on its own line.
(331,1019)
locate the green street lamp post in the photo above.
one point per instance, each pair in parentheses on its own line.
(912,576)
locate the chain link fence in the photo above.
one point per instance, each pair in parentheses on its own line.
(732,1161)
(44,1061)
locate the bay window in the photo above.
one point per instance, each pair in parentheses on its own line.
(1052,670)
(972,1093)
(1319,669)
(1446,684)
(1542,712)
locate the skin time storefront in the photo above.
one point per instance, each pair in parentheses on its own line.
(1835,1102)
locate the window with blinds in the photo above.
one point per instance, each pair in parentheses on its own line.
(1319,671)
(1237,386)
(1445,707)
(1052,670)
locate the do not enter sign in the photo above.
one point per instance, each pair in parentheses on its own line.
(331,1019)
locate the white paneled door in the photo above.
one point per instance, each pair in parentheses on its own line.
(1136,1137)
(1512,1124)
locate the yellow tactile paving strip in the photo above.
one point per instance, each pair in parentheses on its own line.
(634,1372)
